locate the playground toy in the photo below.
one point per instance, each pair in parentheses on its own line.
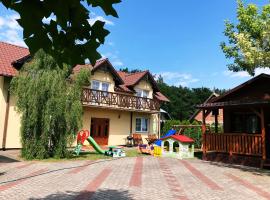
(177,146)
(85,135)
(115,152)
(146,149)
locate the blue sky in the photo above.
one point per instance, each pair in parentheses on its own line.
(178,39)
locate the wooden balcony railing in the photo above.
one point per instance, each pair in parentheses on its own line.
(245,144)
(118,100)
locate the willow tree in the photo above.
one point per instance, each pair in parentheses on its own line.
(249,39)
(50,105)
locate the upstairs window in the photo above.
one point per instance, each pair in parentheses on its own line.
(98,85)
(142,93)
(142,124)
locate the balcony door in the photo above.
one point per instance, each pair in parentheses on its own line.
(100,130)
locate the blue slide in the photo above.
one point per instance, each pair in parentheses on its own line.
(169,133)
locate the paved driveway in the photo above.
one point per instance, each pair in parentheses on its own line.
(131,178)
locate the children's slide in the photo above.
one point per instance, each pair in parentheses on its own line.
(95,145)
(85,135)
(169,133)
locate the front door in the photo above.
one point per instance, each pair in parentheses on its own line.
(100,130)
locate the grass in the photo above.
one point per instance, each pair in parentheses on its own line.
(92,155)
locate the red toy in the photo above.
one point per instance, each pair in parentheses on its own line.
(82,136)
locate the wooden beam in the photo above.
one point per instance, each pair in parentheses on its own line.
(263,137)
(203,133)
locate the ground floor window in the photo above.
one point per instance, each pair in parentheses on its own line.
(142,124)
(245,123)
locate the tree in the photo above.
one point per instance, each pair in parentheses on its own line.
(49,101)
(248,40)
(127,70)
(67,36)
(183,100)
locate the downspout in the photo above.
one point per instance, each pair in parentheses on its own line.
(131,122)
(6,122)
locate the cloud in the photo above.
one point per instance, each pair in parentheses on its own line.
(114,59)
(243,74)
(117,63)
(176,78)
(11,31)
(95,18)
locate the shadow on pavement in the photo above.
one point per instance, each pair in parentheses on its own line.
(5,159)
(100,194)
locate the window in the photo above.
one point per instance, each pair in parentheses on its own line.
(105,87)
(141,125)
(98,85)
(245,123)
(95,85)
(142,93)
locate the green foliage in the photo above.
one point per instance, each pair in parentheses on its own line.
(168,125)
(68,36)
(127,70)
(50,106)
(193,132)
(248,40)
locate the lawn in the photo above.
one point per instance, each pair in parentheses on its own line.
(92,155)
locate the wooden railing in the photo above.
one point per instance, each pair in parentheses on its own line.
(118,100)
(245,144)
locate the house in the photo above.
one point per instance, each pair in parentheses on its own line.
(246,122)
(115,104)
(210,119)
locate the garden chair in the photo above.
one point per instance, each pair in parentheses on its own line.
(151,138)
(137,139)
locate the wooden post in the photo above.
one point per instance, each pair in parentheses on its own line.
(216,120)
(263,138)
(203,133)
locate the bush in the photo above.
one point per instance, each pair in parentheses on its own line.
(193,132)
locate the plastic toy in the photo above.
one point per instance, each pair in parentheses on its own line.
(147,149)
(115,152)
(177,146)
(85,135)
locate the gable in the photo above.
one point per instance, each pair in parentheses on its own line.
(257,88)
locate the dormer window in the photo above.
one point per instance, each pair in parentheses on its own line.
(98,85)
(142,93)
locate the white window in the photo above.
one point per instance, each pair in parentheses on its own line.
(98,85)
(105,87)
(142,124)
(142,93)
(95,85)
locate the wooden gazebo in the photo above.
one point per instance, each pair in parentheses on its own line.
(246,124)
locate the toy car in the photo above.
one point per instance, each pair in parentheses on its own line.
(115,152)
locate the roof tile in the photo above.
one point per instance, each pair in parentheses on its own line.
(8,54)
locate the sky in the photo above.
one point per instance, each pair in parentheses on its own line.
(178,39)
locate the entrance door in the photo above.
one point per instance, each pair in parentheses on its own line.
(100,130)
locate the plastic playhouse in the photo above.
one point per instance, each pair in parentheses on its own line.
(177,146)
(171,144)
(85,135)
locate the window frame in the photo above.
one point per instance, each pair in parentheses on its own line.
(142,93)
(100,85)
(141,125)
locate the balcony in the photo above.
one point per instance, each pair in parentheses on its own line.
(112,100)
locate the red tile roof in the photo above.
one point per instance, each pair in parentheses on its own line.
(180,138)
(8,54)
(131,79)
